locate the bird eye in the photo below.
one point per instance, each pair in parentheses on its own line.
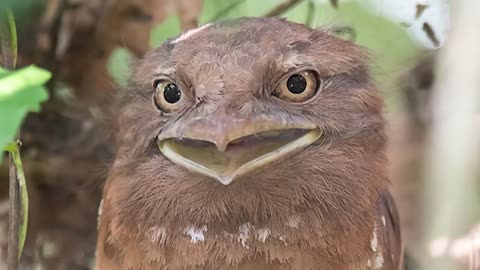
(299,87)
(167,95)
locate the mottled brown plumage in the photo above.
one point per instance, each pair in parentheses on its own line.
(322,205)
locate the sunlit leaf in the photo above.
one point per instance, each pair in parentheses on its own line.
(167,29)
(13,82)
(21,91)
(119,65)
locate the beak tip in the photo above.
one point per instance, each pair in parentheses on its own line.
(221,148)
(225,180)
(222,145)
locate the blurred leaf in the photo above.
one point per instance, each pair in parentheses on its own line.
(390,44)
(299,13)
(214,10)
(8,39)
(259,8)
(311,10)
(119,66)
(167,29)
(22,8)
(14,150)
(20,92)
(64,92)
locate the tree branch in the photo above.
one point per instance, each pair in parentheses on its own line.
(14,217)
(281,8)
(229,8)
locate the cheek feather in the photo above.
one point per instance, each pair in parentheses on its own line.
(244,234)
(158,234)
(378,259)
(262,234)
(293,222)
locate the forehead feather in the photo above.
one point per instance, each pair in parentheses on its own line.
(245,42)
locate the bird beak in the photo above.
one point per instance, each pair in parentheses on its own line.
(226,148)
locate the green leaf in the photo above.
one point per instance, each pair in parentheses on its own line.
(167,29)
(391,46)
(257,8)
(298,13)
(119,65)
(12,82)
(214,10)
(23,9)
(20,92)
(14,150)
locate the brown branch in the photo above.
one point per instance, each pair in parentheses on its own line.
(229,8)
(14,217)
(334,3)
(281,8)
(342,31)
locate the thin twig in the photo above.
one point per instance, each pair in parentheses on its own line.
(8,39)
(14,217)
(281,8)
(342,31)
(334,3)
(224,11)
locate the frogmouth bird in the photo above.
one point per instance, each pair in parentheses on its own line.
(255,143)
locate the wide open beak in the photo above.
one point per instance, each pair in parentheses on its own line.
(227,149)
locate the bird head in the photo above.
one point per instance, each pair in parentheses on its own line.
(257,116)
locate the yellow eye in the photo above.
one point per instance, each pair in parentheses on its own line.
(299,87)
(167,96)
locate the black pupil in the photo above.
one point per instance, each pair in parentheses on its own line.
(296,84)
(171,93)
